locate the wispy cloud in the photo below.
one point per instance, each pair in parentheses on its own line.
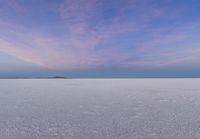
(85,26)
(85,34)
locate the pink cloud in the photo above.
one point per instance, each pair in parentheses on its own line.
(46,51)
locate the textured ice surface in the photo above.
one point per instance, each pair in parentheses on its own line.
(100,109)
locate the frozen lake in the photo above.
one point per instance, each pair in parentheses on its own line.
(100,109)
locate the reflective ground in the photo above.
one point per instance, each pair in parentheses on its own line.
(100,109)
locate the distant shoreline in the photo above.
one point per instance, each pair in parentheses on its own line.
(100,78)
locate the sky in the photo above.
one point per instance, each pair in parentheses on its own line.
(100,38)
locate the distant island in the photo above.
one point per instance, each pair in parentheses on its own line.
(58,77)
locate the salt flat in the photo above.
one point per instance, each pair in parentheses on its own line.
(99,109)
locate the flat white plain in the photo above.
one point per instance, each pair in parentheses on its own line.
(100,109)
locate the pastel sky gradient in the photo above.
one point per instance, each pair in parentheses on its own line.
(100,38)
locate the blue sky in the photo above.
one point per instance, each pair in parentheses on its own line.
(100,38)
